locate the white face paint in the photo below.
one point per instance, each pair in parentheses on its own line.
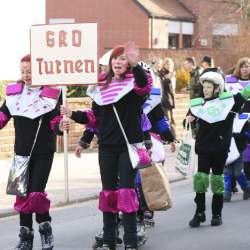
(119,65)
(209,90)
(25,68)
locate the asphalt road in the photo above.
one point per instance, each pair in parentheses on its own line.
(75,226)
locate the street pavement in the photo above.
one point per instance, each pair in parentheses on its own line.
(74,226)
(83,181)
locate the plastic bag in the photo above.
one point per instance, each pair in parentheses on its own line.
(186,159)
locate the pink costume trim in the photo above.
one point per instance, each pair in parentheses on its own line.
(143,156)
(13,89)
(108,201)
(157,137)
(92,119)
(129,75)
(127,200)
(144,90)
(54,122)
(50,93)
(35,202)
(3,119)
(102,77)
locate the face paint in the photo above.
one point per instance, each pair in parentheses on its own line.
(25,68)
(119,65)
(209,89)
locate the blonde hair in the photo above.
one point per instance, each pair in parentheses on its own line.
(167,60)
(240,63)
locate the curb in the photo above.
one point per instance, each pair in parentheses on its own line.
(11,212)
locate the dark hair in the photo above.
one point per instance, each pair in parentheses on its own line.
(191,60)
(26,58)
(208,60)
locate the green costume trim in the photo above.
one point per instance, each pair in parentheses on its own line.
(196,102)
(217,184)
(246,92)
(201,182)
(225,95)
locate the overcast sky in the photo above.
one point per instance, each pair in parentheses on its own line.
(16,17)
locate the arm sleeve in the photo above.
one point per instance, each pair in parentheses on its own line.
(193,124)
(161,124)
(86,138)
(4,115)
(143,81)
(88,117)
(239,102)
(55,119)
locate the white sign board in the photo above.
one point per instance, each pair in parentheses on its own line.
(64,54)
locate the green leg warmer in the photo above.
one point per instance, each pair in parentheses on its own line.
(217,184)
(201,182)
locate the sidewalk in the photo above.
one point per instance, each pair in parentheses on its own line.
(84,180)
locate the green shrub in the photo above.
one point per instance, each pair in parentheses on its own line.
(76,91)
(182,79)
(3,84)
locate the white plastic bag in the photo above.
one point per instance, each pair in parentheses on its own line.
(158,150)
(233,154)
(186,159)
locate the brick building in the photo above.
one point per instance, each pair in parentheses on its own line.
(215,21)
(151,24)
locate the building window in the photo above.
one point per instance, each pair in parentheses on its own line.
(220,42)
(173,41)
(187,41)
(61,20)
(222,33)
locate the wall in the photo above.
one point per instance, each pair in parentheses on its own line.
(118,21)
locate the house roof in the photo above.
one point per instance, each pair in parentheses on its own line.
(167,9)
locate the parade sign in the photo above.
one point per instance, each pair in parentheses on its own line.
(64,54)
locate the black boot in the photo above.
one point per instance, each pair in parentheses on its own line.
(26,236)
(130,248)
(141,234)
(216,220)
(46,235)
(149,218)
(197,219)
(217,205)
(107,247)
(246,194)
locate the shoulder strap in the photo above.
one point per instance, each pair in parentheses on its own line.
(120,124)
(37,131)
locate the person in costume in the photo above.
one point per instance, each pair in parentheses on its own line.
(214,116)
(27,106)
(154,124)
(234,164)
(235,83)
(124,87)
(157,133)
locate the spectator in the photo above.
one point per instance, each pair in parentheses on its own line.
(194,86)
(167,77)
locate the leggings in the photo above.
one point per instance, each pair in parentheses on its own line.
(117,173)
(216,163)
(39,170)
